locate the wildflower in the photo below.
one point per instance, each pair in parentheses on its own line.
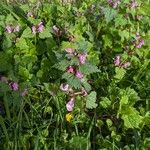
(29,14)
(82,58)
(33,29)
(139,42)
(69,116)
(9,29)
(70,104)
(17,29)
(79,75)
(139,45)
(55,29)
(69,50)
(126,64)
(117,60)
(70,69)
(14,86)
(134,4)
(84,92)
(113,3)
(139,17)
(24,93)
(40,27)
(64,87)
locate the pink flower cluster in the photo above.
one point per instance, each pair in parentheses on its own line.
(75,71)
(13,85)
(29,14)
(82,60)
(11,29)
(133,4)
(70,104)
(38,28)
(118,63)
(113,3)
(139,42)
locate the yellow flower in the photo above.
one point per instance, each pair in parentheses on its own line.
(69,116)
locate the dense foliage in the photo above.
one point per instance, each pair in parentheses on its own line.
(75,75)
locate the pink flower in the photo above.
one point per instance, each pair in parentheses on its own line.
(140,44)
(9,29)
(117,60)
(14,86)
(24,93)
(29,14)
(40,27)
(82,58)
(55,29)
(33,29)
(126,65)
(79,75)
(64,87)
(84,92)
(70,69)
(69,50)
(70,104)
(113,3)
(134,4)
(17,29)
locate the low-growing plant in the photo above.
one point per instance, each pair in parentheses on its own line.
(75,75)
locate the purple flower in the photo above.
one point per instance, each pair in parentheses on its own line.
(64,87)
(82,58)
(40,27)
(70,104)
(14,86)
(134,4)
(17,29)
(24,93)
(9,29)
(113,3)
(126,65)
(29,14)
(79,75)
(70,69)
(33,29)
(84,92)
(139,45)
(117,60)
(69,50)
(55,29)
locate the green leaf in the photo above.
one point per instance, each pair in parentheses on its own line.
(4,87)
(7,43)
(62,65)
(27,33)
(45,34)
(91,100)
(72,80)
(86,85)
(131,117)
(120,72)
(5,62)
(21,44)
(88,68)
(105,102)
(109,14)
(107,41)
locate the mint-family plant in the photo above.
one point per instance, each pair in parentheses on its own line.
(75,75)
